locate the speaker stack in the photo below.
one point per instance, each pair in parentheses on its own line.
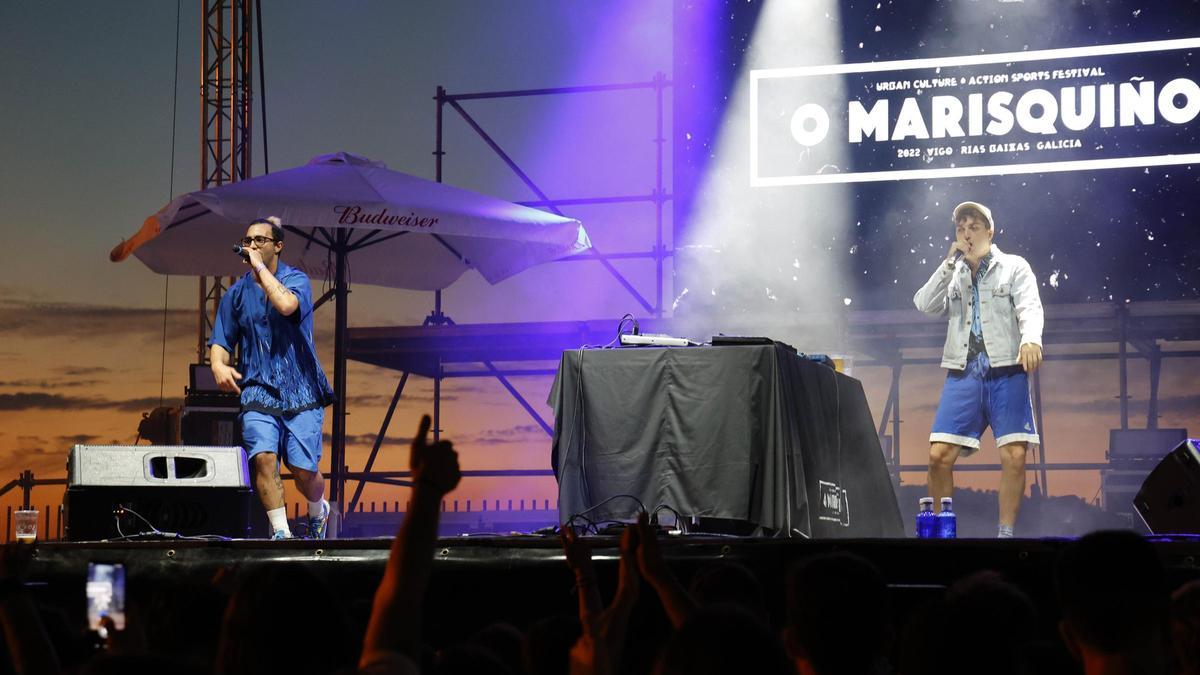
(1132,455)
(115,491)
(209,416)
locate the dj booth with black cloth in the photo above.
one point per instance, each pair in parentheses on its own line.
(756,434)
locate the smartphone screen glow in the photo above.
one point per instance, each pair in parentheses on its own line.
(105,594)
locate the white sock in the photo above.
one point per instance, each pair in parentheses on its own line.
(278,518)
(318,508)
(1004,531)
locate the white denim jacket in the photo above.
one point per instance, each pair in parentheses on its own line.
(1010,308)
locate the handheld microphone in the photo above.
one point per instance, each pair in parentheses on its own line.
(238,249)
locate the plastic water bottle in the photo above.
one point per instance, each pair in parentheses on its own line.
(927,522)
(947,522)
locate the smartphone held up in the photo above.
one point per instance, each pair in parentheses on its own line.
(105,596)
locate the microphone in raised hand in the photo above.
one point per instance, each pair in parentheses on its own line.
(242,251)
(954,254)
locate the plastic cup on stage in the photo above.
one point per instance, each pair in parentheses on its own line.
(26,523)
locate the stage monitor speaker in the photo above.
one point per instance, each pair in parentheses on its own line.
(1169,500)
(185,490)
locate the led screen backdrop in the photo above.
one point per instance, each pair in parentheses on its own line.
(840,136)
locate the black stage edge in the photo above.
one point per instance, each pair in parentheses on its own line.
(520,579)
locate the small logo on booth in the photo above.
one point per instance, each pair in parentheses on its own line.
(810,124)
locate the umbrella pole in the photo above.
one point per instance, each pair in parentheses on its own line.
(337,469)
(437,318)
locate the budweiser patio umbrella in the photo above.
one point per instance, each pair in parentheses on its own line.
(345,213)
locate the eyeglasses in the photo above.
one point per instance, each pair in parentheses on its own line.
(259,239)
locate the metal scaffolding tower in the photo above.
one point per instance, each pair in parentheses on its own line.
(226,93)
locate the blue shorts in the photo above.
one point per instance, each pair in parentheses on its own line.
(980,396)
(295,438)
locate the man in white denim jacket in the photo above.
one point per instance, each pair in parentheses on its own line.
(994,340)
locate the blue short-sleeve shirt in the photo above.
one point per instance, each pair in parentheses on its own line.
(280,371)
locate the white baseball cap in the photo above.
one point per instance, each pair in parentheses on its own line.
(987,213)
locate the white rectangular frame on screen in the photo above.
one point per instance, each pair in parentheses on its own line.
(951,61)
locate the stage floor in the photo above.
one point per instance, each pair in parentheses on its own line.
(537,548)
(903,561)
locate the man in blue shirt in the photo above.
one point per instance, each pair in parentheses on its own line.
(284,391)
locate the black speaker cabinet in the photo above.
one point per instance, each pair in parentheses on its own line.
(1169,501)
(115,491)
